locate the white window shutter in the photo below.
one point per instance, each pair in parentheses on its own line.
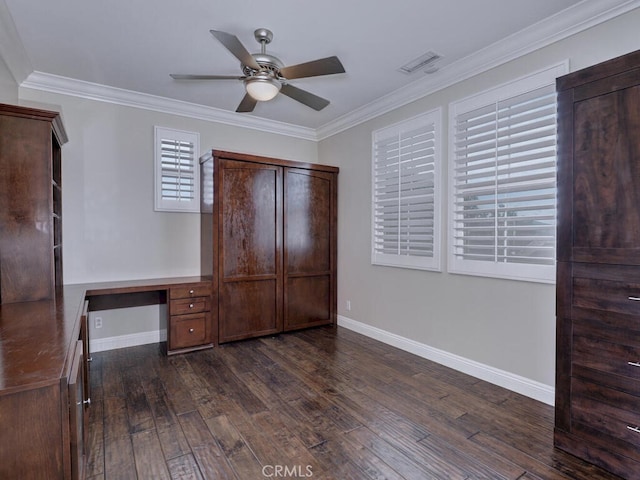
(503,185)
(406,195)
(176,167)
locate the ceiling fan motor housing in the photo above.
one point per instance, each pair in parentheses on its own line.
(269,63)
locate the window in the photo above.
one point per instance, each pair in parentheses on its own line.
(503,180)
(405,178)
(176,170)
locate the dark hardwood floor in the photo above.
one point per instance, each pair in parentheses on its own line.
(322,403)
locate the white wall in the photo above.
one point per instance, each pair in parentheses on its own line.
(502,324)
(8,85)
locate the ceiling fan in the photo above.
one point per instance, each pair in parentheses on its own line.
(265,76)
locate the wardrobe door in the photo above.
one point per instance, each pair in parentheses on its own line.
(309,248)
(250,245)
(606,173)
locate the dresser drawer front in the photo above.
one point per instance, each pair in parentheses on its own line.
(183,306)
(189,331)
(614,351)
(609,295)
(190,291)
(606,410)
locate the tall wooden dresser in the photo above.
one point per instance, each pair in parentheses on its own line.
(268,229)
(598,271)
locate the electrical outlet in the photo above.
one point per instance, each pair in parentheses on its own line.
(98,322)
(348,305)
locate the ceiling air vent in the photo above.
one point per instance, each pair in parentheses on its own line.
(424,62)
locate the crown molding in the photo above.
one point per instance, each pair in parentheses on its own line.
(12,50)
(570,21)
(102,93)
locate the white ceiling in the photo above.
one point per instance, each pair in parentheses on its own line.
(135,44)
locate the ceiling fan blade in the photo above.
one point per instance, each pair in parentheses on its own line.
(323,66)
(247,104)
(302,96)
(232,44)
(177,76)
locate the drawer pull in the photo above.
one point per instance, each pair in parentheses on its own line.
(191,330)
(635,299)
(633,429)
(85,402)
(634,364)
(191,292)
(191,305)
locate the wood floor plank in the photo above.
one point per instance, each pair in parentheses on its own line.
(339,459)
(184,468)
(116,423)
(402,463)
(149,460)
(328,399)
(95,454)
(274,443)
(119,462)
(238,454)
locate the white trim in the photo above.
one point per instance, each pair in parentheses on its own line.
(131,340)
(516,383)
(102,93)
(570,21)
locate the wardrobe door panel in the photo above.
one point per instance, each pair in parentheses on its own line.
(250,203)
(308,301)
(309,242)
(606,171)
(248,309)
(307,221)
(250,271)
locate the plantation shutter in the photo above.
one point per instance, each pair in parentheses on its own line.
(176,170)
(504,182)
(405,168)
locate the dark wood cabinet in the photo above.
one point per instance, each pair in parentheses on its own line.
(30,203)
(189,326)
(268,230)
(598,280)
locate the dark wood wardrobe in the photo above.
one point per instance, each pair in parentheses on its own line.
(269,240)
(598,271)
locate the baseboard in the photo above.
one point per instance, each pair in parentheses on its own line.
(525,386)
(123,341)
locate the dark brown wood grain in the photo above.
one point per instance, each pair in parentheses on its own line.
(308,254)
(40,372)
(29,210)
(337,403)
(598,279)
(269,230)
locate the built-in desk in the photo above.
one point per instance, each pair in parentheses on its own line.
(43,346)
(189,326)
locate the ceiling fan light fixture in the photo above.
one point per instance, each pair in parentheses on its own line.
(262,87)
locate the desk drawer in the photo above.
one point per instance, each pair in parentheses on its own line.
(189,331)
(190,291)
(183,306)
